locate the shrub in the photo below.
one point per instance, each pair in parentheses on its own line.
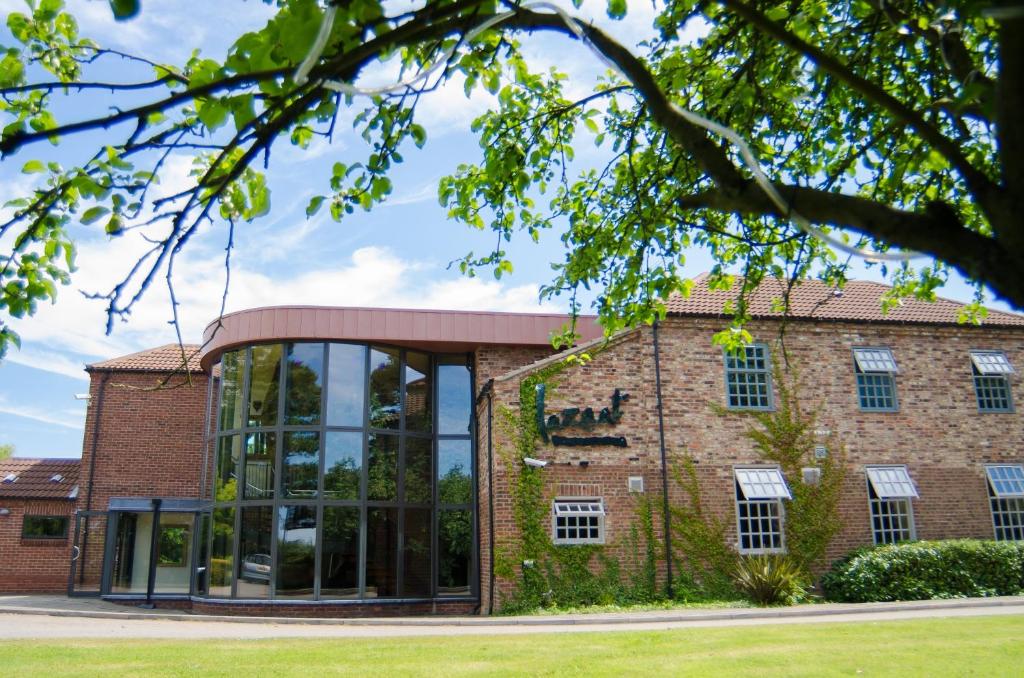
(770,579)
(927,569)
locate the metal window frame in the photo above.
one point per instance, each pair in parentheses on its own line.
(897,506)
(857,356)
(766,371)
(1003,506)
(880,484)
(774,503)
(746,483)
(595,508)
(886,379)
(989,468)
(398,502)
(984,368)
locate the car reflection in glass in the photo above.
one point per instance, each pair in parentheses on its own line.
(256,567)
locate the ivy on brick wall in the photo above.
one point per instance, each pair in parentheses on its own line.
(546,575)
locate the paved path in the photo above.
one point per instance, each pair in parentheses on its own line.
(57,617)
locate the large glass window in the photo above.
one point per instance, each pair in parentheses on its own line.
(346,473)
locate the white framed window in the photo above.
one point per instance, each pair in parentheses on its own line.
(760,514)
(577,521)
(890,491)
(876,383)
(1006,500)
(748,378)
(991,371)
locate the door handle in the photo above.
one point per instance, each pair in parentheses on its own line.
(75,553)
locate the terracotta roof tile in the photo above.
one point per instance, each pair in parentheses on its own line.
(160,359)
(39,478)
(858,301)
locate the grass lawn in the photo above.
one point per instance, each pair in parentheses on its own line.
(983,646)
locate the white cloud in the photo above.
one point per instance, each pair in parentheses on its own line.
(48,361)
(65,418)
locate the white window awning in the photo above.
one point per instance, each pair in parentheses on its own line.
(991,363)
(762,483)
(1006,480)
(891,482)
(875,360)
(578,508)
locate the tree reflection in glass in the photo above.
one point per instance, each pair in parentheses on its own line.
(254,552)
(264,386)
(231,369)
(381,552)
(305,374)
(384,388)
(229,450)
(382,468)
(416,554)
(296,551)
(417,471)
(221,551)
(343,464)
(454,544)
(339,561)
(301,464)
(454,470)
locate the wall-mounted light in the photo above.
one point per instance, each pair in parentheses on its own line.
(82,396)
(535,463)
(5,511)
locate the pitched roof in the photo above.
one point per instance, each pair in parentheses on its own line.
(39,478)
(160,359)
(858,301)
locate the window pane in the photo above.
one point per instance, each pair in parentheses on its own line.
(221,568)
(254,552)
(264,375)
(416,554)
(130,569)
(202,568)
(296,551)
(454,399)
(343,464)
(454,545)
(381,552)
(384,388)
(417,471)
(301,464)
(44,527)
(305,380)
(229,450)
(260,453)
(454,472)
(174,553)
(418,392)
(346,385)
(382,471)
(231,390)
(339,563)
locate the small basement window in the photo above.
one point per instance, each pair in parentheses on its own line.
(890,490)
(991,371)
(44,527)
(759,510)
(577,521)
(876,385)
(1006,500)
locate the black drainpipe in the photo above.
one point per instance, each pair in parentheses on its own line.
(490,490)
(97,413)
(664,462)
(154,542)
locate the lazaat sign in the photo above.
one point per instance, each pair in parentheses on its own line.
(573,417)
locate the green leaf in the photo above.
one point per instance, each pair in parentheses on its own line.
(93,214)
(124,9)
(33,167)
(314,205)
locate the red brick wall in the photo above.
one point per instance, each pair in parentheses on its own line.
(33,565)
(937,432)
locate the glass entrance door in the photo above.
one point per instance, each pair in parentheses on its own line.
(86,572)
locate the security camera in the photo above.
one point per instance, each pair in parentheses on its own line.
(536,463)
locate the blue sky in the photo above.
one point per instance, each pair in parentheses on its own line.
(395,256)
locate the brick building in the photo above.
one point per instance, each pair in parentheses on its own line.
(355,461)
(37,502)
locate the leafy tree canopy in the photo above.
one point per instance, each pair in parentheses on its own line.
(885,123)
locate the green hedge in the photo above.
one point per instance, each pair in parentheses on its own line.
(927,569)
